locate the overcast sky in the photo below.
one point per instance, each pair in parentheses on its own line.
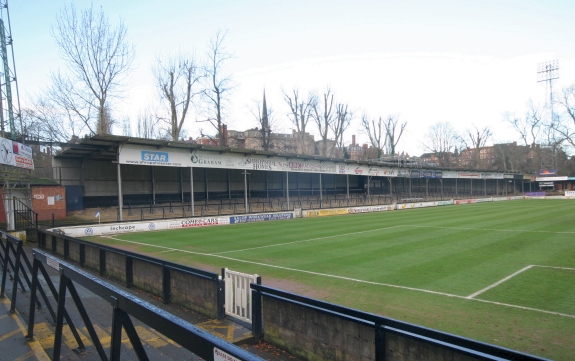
(464,62)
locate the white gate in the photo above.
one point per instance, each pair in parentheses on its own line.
(238,294)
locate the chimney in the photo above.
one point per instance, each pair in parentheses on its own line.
(224,131)
(365,146)
(353,139)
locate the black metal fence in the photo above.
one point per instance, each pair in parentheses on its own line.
(124,266)
(125,306)
(300,322)
(387,334)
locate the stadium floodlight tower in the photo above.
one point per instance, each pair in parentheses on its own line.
(8,73)
(548,72)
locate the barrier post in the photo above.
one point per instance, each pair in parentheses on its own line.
(221,295)
(257,326)
(129,272)
(166,287)
(379,343)
(102,267)
(17,266)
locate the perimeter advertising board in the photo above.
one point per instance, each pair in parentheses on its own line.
(471,175)
(513,198)
(261,217)
(423,204)
(157,225)
(350,210)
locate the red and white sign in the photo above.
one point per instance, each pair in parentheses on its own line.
(465,201)
(16,154)
(220,355)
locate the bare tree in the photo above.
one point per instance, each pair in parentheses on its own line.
(475,139)
(126,127)
(219,84)
(529,127)
(98,59)
(554,139)
(323,114)
(177,78)
(441,139)
(50,121)
(343,117)
(376,133)
(566,126)
(148,125)
(300,114)
(509,156)
(393,131)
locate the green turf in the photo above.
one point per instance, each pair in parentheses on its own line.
(454,250)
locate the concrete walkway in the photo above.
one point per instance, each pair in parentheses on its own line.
(13,343)
(13,328)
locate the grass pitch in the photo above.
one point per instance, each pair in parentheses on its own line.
(500,272)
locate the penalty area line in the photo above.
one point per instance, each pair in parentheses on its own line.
(499,282)
(513,275)
(352,279)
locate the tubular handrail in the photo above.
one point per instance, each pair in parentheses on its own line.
(189,336)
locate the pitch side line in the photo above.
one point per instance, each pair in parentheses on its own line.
(486,229)
(351,279)
(397,226)
(309,240)
(565,268)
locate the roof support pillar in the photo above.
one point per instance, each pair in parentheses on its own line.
(192,191)
(120,195)
(287,189)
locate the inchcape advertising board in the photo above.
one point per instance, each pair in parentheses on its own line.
(177,157)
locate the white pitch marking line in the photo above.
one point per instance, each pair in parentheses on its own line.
(168,250)
(356,280)
(311,239)
(522,307)
(565,268)
(294,269)
(499,282)
(487,229)
(513,275)
(380,229)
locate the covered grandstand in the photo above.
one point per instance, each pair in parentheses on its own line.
(179,179)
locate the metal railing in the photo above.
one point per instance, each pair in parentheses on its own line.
(379,324)
(24,217)
(124,304)
(101,258)
(15,264)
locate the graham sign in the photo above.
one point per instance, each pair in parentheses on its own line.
(183,157)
